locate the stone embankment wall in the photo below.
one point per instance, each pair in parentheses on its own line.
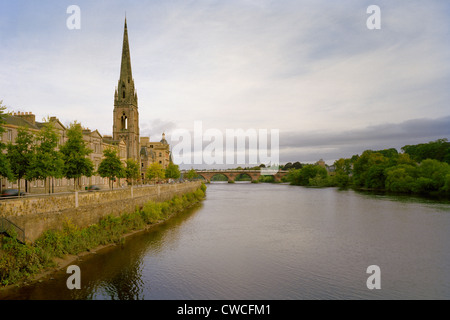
(38,214)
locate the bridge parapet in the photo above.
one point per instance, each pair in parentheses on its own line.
(232,174)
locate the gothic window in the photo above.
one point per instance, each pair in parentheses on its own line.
(124,122)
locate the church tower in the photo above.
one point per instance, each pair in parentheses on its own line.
(126,114)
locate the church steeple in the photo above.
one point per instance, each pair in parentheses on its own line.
(126,115)
(125,70)
(126,90)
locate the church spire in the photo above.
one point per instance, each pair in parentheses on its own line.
(126,114)
(125,70)
(126,91)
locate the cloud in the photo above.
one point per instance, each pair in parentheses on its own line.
(307,68)
(155,128)
(311,146)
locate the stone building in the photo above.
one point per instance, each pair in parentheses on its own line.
(152,152)
(125,136)
(94,140)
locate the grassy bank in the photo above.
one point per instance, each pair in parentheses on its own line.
(20,261)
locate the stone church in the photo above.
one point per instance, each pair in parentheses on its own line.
(125,137)
(126,118)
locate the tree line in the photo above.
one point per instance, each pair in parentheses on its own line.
(36,156)
(418,169)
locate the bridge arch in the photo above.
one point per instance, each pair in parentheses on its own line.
(244,176)
(217,177)
(231,175)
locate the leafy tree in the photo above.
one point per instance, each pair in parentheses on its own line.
(111,167)
(297,165)
(20,154)
(288,166)
(400,178)
(155,172)
(343,170)
(388,153)
(446,188)
(5,167)
(310,171)
(363,175)
(75,155)
(172,171)
(432,175)
(47,161)
(191,174)
(132,171)
(437,150)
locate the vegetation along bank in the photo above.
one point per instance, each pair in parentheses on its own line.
(19,262)
(422,169)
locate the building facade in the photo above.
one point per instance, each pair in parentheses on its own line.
(125,139)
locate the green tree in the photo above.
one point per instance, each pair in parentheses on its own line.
(368,170)
(20,154)
(401,178)
(155,172)
(343,170)
(310,173)
(191,174)
(432,176)
(132,171)
(172,171)
(111,167)
(5,167)
(297,165)
(47,161)
(75,155)
(437,150)
(446,188)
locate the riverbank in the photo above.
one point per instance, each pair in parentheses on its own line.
(55,249)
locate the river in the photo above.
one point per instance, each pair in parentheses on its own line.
(274,241)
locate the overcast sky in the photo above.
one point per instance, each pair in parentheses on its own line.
(311,69)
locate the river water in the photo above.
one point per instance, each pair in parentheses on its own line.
(278,242)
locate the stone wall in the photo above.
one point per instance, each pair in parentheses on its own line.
(39,214)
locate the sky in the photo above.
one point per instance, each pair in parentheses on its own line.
(312,70)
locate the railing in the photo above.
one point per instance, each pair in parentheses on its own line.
(12,229)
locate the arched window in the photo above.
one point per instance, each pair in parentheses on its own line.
(124,122)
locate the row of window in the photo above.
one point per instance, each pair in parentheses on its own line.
(84,181)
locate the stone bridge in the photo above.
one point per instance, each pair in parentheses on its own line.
(232,174)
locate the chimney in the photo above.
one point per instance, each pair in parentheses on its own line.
(28,116)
